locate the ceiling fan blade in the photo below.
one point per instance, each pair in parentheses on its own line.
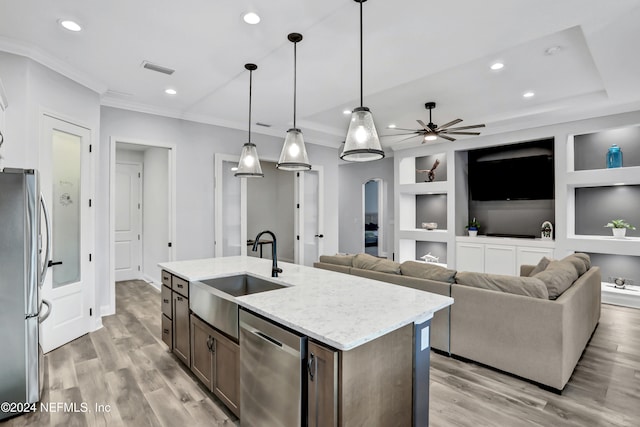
(404,139)
(416,133)
(451,123)
(460,133)
(410,130)
(427,128)
(446,137)
(466,127)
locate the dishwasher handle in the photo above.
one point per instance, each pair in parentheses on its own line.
(267,338)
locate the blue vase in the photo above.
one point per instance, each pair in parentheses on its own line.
(614,157)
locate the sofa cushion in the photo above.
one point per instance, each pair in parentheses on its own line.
(425,270)
(577,262)
(584,257)
(558,277)
(369,262)
(338,259)
(542,265)
(527,286)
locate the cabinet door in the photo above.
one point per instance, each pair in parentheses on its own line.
(202,351)
(532,256)
(226,372)
(181,336)
(165,302)
(167,332)
(470,257)
(500,259)
(322,386)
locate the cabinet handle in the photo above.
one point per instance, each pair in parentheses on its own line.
(166,301)
(180,286)
(165,278)
(179,298)
(311,366)
(166,331)
(210,346)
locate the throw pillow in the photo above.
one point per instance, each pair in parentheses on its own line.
(337,259)
(586,258)
(369,262)
(425,270)
(542,265)
(558,277)
(527,286)
(577,262)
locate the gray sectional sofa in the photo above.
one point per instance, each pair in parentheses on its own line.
(535,326)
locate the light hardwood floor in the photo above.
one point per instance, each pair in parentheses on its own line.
(126,365)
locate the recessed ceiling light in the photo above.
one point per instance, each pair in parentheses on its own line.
(528,94)
(346,112)
(251,18)
(170,91)
(497,66)
(70,25)
(391,126)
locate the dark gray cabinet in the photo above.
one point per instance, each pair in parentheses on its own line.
(322,385)
(174,301)
(215,360)
(181,337)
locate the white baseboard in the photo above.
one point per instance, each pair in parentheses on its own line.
(149,280)
(107,310)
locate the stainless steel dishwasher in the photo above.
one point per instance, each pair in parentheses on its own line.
(271,380)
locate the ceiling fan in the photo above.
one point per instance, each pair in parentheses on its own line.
(431,131)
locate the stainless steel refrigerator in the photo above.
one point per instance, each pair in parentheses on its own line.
(23,265)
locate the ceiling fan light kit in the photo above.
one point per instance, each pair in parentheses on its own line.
(249,164)
(294,153)
(362,143)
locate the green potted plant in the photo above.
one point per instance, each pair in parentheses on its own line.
(619,227)
(473,227)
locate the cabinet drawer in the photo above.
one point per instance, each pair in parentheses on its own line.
(167,332)
(180,285)
(165,301)
(166,278)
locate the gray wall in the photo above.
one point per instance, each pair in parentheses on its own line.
(351,177)
(437,249)
(270,206)
(155,224)
(596,206)
(512,216)
(590,150)
(612,266)
(431,208)
(426,162)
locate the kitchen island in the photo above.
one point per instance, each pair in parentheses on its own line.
(375,329)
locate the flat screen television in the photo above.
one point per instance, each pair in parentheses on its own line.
(522,171)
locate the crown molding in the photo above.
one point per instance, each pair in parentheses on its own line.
(38,55)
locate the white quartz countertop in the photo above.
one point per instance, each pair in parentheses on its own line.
(337,309)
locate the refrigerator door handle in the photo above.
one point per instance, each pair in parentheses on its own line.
(47,252)
(43,318)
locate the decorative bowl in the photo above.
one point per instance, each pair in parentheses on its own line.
(429,225)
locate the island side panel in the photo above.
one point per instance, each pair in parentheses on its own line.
(377,381)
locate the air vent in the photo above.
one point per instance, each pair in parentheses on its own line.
(155,67)
(263,125)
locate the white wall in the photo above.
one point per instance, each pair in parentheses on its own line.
(351,177)
(194,161)
(155,211)
(270,206)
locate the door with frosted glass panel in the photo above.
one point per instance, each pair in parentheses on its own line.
(66,184)
(310,216)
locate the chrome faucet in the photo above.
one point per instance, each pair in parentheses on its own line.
(274,252)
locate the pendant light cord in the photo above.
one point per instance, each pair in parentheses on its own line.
(361,61)
(250,86)
(295,61)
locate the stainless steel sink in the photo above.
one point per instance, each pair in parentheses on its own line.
(219,308)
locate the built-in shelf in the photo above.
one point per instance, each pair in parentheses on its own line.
(424,235)
(629,297)
(604,177)
(424,188)
(510,241)
(605,244)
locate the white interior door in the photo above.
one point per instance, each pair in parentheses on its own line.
(310,219)
(66,184)
(128,221)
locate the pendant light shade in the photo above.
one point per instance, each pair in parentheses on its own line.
(294,153)
(362,143)
(249,164)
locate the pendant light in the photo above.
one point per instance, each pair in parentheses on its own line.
(294,154)
(362,143)
(249,164)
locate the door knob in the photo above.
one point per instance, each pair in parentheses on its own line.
(319,236)
(52,263)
